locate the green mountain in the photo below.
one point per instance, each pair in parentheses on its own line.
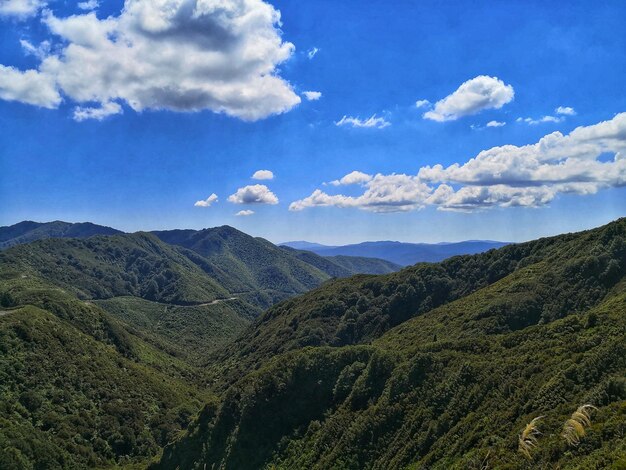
(255,266)
(80,388)
(27,231)
(437,366)
(344,266)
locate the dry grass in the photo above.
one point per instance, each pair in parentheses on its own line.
(528,438)
(574,428)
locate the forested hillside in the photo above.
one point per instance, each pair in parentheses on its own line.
(437,366)
(102,336)
(27,231)
(81,389)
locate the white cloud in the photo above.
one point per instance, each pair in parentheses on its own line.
(565,110)
(207,202)
(473,96)
(384,193)
(372,122)
(98,113)
(244,213)
(422,103)
(506,176)
(20,8)
(312,95)
(40,51)
(253,194)
(356,177)
(312,52)
(263,175)
(541,120)
(29,87)
(496,124)
(89,5)
(183,55)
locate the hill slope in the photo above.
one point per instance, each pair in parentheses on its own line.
(27,231)
(248,264)
(403,254)
(529,330)
(78,389)
(344,266)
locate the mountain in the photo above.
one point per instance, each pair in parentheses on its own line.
(403,254)
(304,245)
(27,231)
(438,366)
(249,264)
(343,266)
(80,388)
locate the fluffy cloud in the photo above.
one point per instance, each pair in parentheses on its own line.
(207,202)
(98,113)
(473,96)
(496,124)
(312,52)
(312,95)
(180,55)
(253,194)
(89,5)
(372,122)
(356,177)
(384,193)
(565,110)
(29,87)
(20,8)
(244,213)
(506,176)
(422,103)
(263,175)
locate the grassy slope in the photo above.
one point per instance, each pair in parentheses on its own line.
(536,329)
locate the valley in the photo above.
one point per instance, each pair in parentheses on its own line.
(211,348)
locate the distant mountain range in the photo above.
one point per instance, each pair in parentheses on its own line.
(403,254)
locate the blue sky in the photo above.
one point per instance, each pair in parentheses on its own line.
(80,140)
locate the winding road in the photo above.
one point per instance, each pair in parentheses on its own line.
(216,301)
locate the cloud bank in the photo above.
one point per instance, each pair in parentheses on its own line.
(585,161)
(178,55)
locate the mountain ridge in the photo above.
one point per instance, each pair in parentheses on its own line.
(401,253)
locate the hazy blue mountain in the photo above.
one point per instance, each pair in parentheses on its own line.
(403,254)
(28,231)
(304,245)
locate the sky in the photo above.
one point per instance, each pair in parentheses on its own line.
(328,121)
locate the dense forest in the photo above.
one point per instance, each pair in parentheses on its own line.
(129,351)
(436,366)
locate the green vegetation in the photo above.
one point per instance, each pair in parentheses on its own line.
(440,366)
(115,349)
(27,231)
(79,390)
